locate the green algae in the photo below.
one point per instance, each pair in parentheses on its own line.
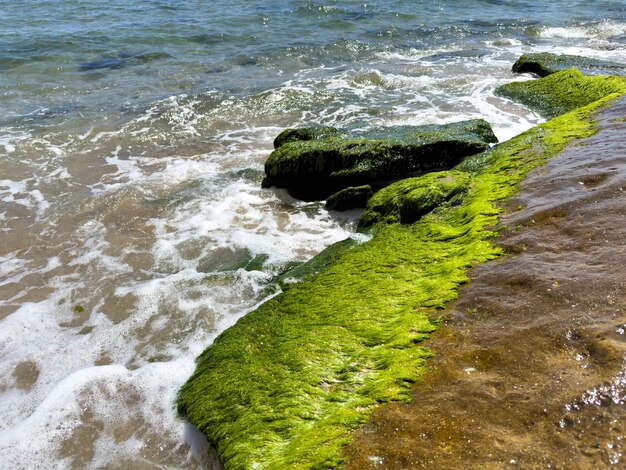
(546,63)
(286,386)
(317,264)
(562,91)
(411,198)
(315,169)
(349,198)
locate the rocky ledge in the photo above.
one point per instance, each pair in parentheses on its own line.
(562,91)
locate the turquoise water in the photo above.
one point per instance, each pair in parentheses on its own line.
(132,142)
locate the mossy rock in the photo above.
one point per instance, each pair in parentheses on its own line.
(409,199)
(315,169)
(298,134)
(546,63)
(563,91)
(289,383)
(349,198)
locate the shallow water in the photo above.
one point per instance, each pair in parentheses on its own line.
(132,142)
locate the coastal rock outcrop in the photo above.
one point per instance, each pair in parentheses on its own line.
(318,167)
(546,63)
(288,384)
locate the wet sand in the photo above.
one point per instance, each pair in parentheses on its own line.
(530,367)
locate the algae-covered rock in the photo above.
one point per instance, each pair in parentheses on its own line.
(546,63)
(315,169)
(349,198)
(563,91)
(289,383)
(304,134)
(409,199)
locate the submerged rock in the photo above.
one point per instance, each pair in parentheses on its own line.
(118,61)
(546,63)
(562,91)
(314,169)
(409,199)
(349,198)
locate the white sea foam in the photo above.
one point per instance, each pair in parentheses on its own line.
(9,138)
(36,423)
(24,193)
(105,391)
(602,30)
(243,217)
(446,97)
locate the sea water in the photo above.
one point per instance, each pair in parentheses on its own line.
(132,143)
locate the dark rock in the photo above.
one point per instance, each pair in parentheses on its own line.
(303,134)
(349,198)
(546,63)
(315,169)
(253,264)
(111,63)
(243,60)
(448,55)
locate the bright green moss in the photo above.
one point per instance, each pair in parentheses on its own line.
(285,387)
(411,198)
(317,264)
(546,63)
(562,91)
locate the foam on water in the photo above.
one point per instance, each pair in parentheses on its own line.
(599,31)
(90,371)
(10,137)
(21,192)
